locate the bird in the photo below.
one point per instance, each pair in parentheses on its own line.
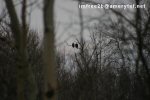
(73,45)
(76,45)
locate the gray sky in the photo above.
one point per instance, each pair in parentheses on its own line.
(66,18)
(66,14)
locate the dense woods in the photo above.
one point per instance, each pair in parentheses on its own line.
(113,64)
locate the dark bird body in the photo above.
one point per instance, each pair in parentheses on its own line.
(73,45)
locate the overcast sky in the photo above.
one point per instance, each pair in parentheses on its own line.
(66,14)
(66,18)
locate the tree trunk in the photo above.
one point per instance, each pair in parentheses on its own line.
(24,73)
(49,52)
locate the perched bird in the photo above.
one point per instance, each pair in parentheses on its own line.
(73,45)
(76,45)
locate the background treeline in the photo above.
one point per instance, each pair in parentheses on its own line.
(107,66)
(111,64)
(8,60)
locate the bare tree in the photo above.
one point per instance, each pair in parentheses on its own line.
(49,51)
(23,69)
